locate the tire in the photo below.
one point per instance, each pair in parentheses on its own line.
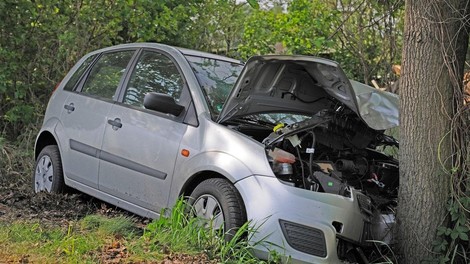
(219,201)
(48,174)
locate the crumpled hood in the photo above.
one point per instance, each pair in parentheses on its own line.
(305,85)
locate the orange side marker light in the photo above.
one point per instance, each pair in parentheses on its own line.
(185,152)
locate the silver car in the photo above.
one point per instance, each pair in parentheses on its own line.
(288,142)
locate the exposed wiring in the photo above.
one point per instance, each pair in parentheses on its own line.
(300,99)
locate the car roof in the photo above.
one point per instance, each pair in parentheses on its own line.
(196,53)
(184,51)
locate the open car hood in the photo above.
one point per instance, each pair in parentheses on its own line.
(305,85)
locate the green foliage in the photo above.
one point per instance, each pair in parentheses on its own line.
(41,40)
(451,242)
(158,21)
(177,231)
(217,27)
(363,36)
(304,29)
(253,3)
(368,41)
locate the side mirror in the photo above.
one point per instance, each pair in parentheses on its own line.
(162,103)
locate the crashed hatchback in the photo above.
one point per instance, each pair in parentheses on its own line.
(286,142)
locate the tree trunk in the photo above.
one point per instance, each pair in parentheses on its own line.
(432,67)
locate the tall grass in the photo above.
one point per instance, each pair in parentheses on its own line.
(16,159)
(181,232)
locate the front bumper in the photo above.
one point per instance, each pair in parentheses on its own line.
(305,225)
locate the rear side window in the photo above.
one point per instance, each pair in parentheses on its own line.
(72,83)
(154,72)
(106,74)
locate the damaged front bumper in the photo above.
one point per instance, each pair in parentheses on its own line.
(310,227)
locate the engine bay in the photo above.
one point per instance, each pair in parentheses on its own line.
(331,152)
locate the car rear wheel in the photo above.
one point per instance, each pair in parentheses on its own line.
(218,201)
(48,175)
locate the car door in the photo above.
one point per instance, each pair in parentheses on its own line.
(139,145)
(84,116)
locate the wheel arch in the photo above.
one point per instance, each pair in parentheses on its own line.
(204,166)
(44,139)
(197,178)
(201,176)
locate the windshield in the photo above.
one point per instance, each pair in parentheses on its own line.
(216,77)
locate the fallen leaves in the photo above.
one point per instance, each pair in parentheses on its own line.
(114,253)
(182,258)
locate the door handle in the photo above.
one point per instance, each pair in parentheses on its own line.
(70,108)
(116,123)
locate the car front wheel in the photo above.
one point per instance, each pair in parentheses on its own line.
(48,175)
(218,201)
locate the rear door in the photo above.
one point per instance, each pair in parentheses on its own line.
(84,115)
(140,146)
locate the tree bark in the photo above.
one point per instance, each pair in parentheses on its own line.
(434,49)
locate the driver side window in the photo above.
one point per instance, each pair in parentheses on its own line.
(154,72)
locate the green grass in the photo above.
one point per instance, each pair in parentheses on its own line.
(80,241)
(181,233)
(91,239)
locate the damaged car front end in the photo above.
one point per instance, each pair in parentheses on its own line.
(334,192)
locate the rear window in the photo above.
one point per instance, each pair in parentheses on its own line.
(106,74)
(73,81)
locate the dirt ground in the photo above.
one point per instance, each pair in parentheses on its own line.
(19,203)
